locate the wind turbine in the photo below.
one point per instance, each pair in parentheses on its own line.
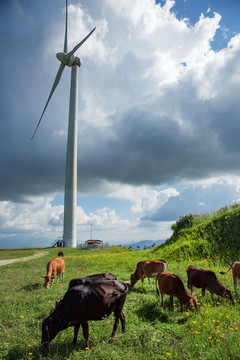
(70,195)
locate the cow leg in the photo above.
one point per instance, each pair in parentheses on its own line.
(63,277)
(58,278)
(85,333)
(117,316)
(122,318)
(203,292)
(191,287)
(235,284)
(171,301)
(149,280)
(76,329)
(181,305)
(142,279)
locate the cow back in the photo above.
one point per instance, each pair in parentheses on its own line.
(200,277)
(171,284)
(152,268)
(57,265)
(91,278)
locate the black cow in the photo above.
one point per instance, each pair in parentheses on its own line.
(81,303)
(91,278)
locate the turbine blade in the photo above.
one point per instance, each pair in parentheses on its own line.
(55,84)
(66,30)
(80,44)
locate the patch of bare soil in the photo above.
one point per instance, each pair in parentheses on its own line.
(10,261)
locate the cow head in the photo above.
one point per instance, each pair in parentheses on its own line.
(50,328)
(47,281)
(193,302)
(60,254)
(228,293)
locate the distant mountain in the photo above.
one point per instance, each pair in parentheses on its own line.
(144,243)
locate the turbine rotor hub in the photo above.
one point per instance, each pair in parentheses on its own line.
(65,59)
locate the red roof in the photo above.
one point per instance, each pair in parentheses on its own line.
(93,241)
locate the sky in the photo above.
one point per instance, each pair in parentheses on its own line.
(158,116)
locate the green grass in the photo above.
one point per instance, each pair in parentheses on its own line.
(152,332)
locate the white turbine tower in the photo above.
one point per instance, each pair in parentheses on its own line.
(70,196)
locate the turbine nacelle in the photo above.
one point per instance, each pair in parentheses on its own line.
(67,59)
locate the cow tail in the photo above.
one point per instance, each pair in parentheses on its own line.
(157,285)
(224,272)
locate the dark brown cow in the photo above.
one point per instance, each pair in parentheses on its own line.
(172,284)
(149,269)
(54,267)
(91,278)
(206,279)
(81,303)
(235,273)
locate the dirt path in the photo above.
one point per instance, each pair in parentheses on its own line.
(10,261)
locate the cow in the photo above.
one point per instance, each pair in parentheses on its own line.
(91,278)
(172,284)
(235,273)
(54,267)
(206,279)
(60,254)
(81,303)
(149,269)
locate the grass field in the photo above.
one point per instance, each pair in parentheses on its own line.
(151,331)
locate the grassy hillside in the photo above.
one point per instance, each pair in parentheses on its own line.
(152,332)
(206,236)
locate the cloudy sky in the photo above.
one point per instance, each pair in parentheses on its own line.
(158,116)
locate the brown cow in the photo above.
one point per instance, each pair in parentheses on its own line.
(54,267)
(206,279)
(81,303)
(173,285)
(148,269)
(235,273)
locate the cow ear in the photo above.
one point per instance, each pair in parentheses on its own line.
(43,276)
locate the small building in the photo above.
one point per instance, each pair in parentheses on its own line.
(94,244)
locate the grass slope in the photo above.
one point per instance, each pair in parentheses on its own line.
(206,236)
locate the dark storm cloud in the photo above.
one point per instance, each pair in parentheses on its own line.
(153,134)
